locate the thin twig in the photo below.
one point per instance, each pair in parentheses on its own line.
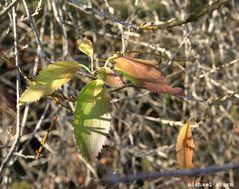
(168,62)
(18,124)
(120,88)
(218,68)
(35,31)
(191,18)
(130,97)
(101,14)
(38,125)
(38,8)
(6,10)
(114,179)
(149,26)
(57,10)
(24,156)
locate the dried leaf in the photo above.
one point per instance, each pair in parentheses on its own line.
(49,80)
(109,77)
(145,74)
(184,149)
(86,47)
(92,119)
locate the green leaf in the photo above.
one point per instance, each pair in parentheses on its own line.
(92,119)
(49,80)
(86,47)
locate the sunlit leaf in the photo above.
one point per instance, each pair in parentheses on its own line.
(49,80)
(86,47)
(92,119)
(145,74)
(109,77)
(184,149)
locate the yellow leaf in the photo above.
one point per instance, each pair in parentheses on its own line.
(49,80)
(86,47)
(184,149)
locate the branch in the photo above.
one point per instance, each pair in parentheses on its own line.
(36,33)
(115,179)
(102,15)
(18,124)
(151,25)
(191,18)
(168,62)
(217,69)
(5,11)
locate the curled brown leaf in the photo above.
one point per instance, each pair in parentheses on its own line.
(184,149)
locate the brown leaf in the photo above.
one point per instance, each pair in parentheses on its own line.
(184,149)
(145,74)
(109,77)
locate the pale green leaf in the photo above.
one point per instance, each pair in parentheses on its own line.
(86,47)
(49,80)
(92,119)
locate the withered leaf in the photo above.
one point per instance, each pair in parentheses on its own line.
(109,77)
(146,74)
(184,149)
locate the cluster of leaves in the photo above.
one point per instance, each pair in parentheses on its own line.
(92,117)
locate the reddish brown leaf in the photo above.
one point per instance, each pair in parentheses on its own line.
(109,77)
(145,74)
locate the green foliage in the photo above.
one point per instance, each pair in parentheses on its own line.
(92,119)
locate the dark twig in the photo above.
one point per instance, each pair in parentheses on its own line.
(149,26)
(18,124)
(114,179)
(35,31)
(191,18)
(124,86)
(101,14)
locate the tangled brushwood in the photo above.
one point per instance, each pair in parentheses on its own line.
(119,94)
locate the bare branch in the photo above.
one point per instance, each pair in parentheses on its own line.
(168,62)
(18,124)
(115,179)
(6,10)
(150,26)
(35,31)
(101,14)
(191,18)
